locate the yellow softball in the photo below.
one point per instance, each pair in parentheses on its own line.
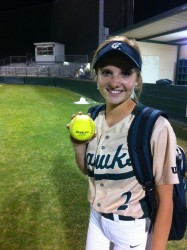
(82,127)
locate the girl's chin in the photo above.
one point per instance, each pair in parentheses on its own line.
(116,101)
(114,97)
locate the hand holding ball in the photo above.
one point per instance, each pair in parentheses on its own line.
(82,127)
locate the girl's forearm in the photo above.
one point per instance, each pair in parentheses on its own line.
(80,156)
(162,225)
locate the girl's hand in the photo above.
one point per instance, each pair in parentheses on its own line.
(77,142)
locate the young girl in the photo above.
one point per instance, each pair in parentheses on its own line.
(119,214)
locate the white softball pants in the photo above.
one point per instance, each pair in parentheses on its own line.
(105,234)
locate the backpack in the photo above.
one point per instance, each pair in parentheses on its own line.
(140,153)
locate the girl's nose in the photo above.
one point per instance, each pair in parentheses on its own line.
(116,79)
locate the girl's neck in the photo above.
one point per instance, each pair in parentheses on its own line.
(115,114)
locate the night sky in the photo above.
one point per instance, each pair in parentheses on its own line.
(71,22)
(148,8)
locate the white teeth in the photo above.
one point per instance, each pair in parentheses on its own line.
(115,91)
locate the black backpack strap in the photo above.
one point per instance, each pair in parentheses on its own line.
(140,151)
(93,111)
(181,161)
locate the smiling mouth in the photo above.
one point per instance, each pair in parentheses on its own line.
(114,91)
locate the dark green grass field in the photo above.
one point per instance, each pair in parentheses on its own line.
(43,196)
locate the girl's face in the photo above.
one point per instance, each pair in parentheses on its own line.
(116,79)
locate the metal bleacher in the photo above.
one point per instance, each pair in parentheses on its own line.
(22,66)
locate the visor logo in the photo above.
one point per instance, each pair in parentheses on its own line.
(116,45)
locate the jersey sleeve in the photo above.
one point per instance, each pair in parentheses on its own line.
(163,146)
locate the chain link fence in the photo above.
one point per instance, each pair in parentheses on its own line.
(25,66)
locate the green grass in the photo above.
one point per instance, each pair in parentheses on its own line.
(181,133)
(43,196)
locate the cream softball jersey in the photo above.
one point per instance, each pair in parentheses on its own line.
(113,187)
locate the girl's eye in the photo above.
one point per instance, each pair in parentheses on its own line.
(106,72)
(109,73)
(126,73)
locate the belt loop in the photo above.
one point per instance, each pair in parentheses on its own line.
(116,218)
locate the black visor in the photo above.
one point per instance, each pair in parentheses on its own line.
(119,48)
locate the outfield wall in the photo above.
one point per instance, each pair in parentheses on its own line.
(169,98)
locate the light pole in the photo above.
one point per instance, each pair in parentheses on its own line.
(101,22)
(103,31)
(130,11)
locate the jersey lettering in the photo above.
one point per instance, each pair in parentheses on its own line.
(127,197)
(102,161)
(174,170)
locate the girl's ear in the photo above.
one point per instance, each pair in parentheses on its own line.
(95,77)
